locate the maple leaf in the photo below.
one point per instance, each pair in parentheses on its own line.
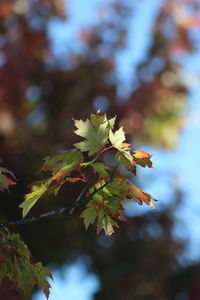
(95,137)
(142,158)
(98,119)
(101,169)
(89,215)
(106,223)
(40,273)
(110,195)
(140,196)
(106,206)
(57,161)
(6,178)
(65,170)
(31,198)
(111,122)
(121,158)
(19,268)
(62,164)
(117,140)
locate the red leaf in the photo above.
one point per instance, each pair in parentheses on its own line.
(142,158)
(6,178)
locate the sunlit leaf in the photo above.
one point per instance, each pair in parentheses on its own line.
(95,137)
(140,196)
(57,161)
(31,198)
(117,140)
(121,158)
(142,158)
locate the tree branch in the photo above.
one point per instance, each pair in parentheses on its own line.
(78,202)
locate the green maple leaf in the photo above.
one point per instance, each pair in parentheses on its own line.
(62,164)
(65,170)
(40,274)
(101,169)
(89,215)
(117,139)
(31,198)
(111,122)
(18,267)
(98,119)
(142,158)
(121,158)
(56,162)
(106,223)
(105,206)
(95,137)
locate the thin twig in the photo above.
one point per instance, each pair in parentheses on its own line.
(79,201)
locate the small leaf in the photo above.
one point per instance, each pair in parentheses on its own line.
(64,171)
(117,140)
(6,178)
(57,161)
(32,198)
(97,119)
(120,157)
(104,222)
(101,169)
(95,137)
(111,123)
(140,196)
(142,158)
(40,274)
(107,205)
(89,215)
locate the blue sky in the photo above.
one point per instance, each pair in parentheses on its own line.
(76,283)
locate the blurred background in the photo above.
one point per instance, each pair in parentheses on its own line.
(139,60)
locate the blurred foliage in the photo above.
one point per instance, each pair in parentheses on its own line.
(38,98)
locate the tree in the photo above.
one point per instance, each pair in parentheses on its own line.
(38,100)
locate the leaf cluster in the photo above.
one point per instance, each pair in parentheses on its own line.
(17,266)
(106,188)
(84,161)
